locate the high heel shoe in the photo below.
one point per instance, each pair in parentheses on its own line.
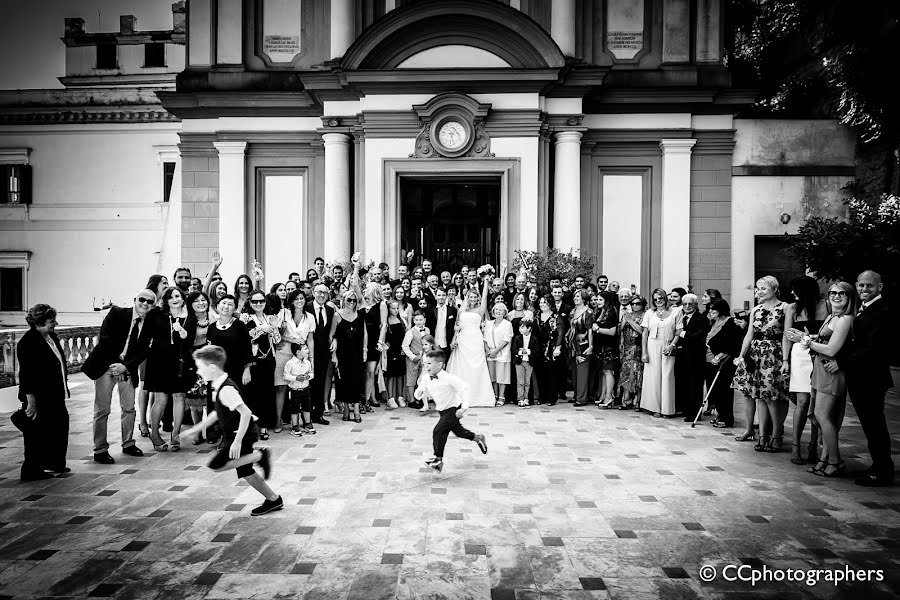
(745,437)
(839,468)
(772,446)
(159,446)
(797,460)
(145,430)
(762,444)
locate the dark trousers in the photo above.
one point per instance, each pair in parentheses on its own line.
(561,370)
(46,440)
(259,395)
(689,375)
(545,376)
(581,379)
(320,386)
(869,405)
(446,424)
(721,396)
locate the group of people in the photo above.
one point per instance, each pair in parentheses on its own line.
(369,335)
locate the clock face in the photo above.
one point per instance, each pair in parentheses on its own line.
(452,135)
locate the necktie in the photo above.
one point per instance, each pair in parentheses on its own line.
(321,317)
(434,376)
(132,336)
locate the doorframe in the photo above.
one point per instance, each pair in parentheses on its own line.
(507,169)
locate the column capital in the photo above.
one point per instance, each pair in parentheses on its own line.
(335,138)
(565,137)
(231,148)
(677,146)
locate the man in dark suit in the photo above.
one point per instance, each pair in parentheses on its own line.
(429,293)
(323,369)
(441,321)
(561,310)
(869,376)
(123,344)
(689,347)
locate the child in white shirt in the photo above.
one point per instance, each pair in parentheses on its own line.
(428,344)
(297,372)
(449,394)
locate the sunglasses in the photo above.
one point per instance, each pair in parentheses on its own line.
(146,300)
(637,303)
(257,302)
(352,300)
(838,293)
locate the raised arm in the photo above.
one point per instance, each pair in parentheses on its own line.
(213,269)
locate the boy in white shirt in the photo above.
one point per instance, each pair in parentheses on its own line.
(238,428)
(412,348)
(297,372)
(449,395)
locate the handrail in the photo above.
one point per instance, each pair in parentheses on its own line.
(77,344)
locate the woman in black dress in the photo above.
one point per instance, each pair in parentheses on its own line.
(232,335)
(264,336)
(195,399)
(395,360)
(348,330)
(43,390)
(546,331)
(168,364)
(374,313)
(606,349)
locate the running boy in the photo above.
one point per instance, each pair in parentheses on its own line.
(449,395)
(238,427)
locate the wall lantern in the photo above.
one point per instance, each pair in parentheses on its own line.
(785,218)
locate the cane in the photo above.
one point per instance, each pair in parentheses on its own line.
(708,392)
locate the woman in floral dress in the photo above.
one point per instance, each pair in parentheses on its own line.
(762,374)
(631,375)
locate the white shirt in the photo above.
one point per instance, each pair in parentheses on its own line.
(294,368)
(870,302)
(447,391)
(526,339)
(440,333)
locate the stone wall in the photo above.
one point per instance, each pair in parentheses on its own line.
(710,235)
(200,205)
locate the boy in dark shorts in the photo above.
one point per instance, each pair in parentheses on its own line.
(449,395)
(238,427)
(297,372)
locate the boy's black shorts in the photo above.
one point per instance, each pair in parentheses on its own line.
(220,458)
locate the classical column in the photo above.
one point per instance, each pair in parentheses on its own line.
(567,191)
(229,33)
(337,196)
(562,25)
(676,212)
(232,224)
(342,20)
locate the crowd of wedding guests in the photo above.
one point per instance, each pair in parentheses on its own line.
(331,342)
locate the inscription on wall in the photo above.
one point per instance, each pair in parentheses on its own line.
(282,29)
(625,28)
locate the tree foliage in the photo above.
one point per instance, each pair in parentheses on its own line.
(552,262)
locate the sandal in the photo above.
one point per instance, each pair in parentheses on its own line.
(762,444)
(771,447)
(145,430)
(264,435)
(839,469)
(499,402)
(815,470)
(159,447)
(797,460)
(745,437)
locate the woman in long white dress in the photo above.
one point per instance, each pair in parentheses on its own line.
(468,359)
(658,392)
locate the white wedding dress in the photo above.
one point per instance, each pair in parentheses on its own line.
(468,361)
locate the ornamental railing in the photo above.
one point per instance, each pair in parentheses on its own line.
(77,343)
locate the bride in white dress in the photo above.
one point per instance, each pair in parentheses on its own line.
(468,360)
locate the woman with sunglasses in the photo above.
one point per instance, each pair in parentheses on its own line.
(763,378)
(168,364)
(348,332)
(264,337)
(658,392)
(829,389)
(631,374)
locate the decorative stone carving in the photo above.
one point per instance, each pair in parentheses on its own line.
(452,126)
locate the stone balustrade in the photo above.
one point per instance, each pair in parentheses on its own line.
(77,343)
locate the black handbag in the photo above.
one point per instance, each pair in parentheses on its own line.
(22,421)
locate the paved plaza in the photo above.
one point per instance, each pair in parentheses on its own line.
(568,503)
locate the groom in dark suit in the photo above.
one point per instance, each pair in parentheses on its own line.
(441,321)
(869,376)
(323,369)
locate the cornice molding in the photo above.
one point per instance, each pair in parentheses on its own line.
(66,117)
(207,105)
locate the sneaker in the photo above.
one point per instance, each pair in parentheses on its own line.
(264,463)
(431,460)
(482,445)
(437,465)
(310,430)
(401,402)
(267,506)
(392,404)
(296,430)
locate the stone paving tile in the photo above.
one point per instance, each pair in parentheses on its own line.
(568,504)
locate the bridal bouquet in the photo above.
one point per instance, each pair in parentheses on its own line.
(485,270)
(257,271)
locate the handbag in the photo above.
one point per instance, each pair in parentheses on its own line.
(22,421)
(749,365)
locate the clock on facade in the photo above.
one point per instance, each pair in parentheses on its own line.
(453,135)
